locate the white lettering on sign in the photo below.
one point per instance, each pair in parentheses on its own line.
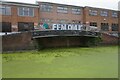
(66,27)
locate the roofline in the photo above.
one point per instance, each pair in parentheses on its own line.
(100,8)
(58,4)
(18,4)
(37,4)
(74,5)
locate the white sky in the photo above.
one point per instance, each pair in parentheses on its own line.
(108,4)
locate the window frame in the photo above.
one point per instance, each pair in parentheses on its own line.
(62,9)
(114,15)
(93,12)
(27,10)
(93,24)
(105,27)
(76,11)
(7,10)
(46,7)
(104,13)
(114,25)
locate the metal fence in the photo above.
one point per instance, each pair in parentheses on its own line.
(48,33)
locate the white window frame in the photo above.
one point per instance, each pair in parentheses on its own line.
(46,7)
(104,13)
(23,9)
(5,7)
(62,9)
(76,11)
(93,12)
(114,14)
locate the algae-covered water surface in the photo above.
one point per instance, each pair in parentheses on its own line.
(94,62)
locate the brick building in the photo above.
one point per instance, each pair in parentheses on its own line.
(60,13)
(18,16)
(105,19)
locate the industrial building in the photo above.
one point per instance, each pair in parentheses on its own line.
(18,16)
(23,16)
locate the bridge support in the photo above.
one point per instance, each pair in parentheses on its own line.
(63,41)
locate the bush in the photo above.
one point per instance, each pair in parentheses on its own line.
(90,41)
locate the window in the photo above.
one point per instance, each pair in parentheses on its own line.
(114,27)
(61,9)
(25,26)
(76,21)
(21,11)
(5,10)
(31,12)
(93,24)
(62,21)
(46,7)
(76,11)
(93,12)
(5,26)
(24,11)
(114,14)
(104,26)
(104,13)
(46,20)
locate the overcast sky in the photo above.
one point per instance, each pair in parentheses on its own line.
(109,4)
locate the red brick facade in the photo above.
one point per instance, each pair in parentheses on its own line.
(54,16)
(14,18)
(100,19)
(15,42)
(108,39)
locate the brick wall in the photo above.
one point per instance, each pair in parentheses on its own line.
(108,39)
(100,19)
(14,18)
(24,41)
(19,41)
(55,16)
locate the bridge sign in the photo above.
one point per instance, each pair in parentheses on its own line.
(74,27)
(66,27)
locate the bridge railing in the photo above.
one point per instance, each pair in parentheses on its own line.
(48,33)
